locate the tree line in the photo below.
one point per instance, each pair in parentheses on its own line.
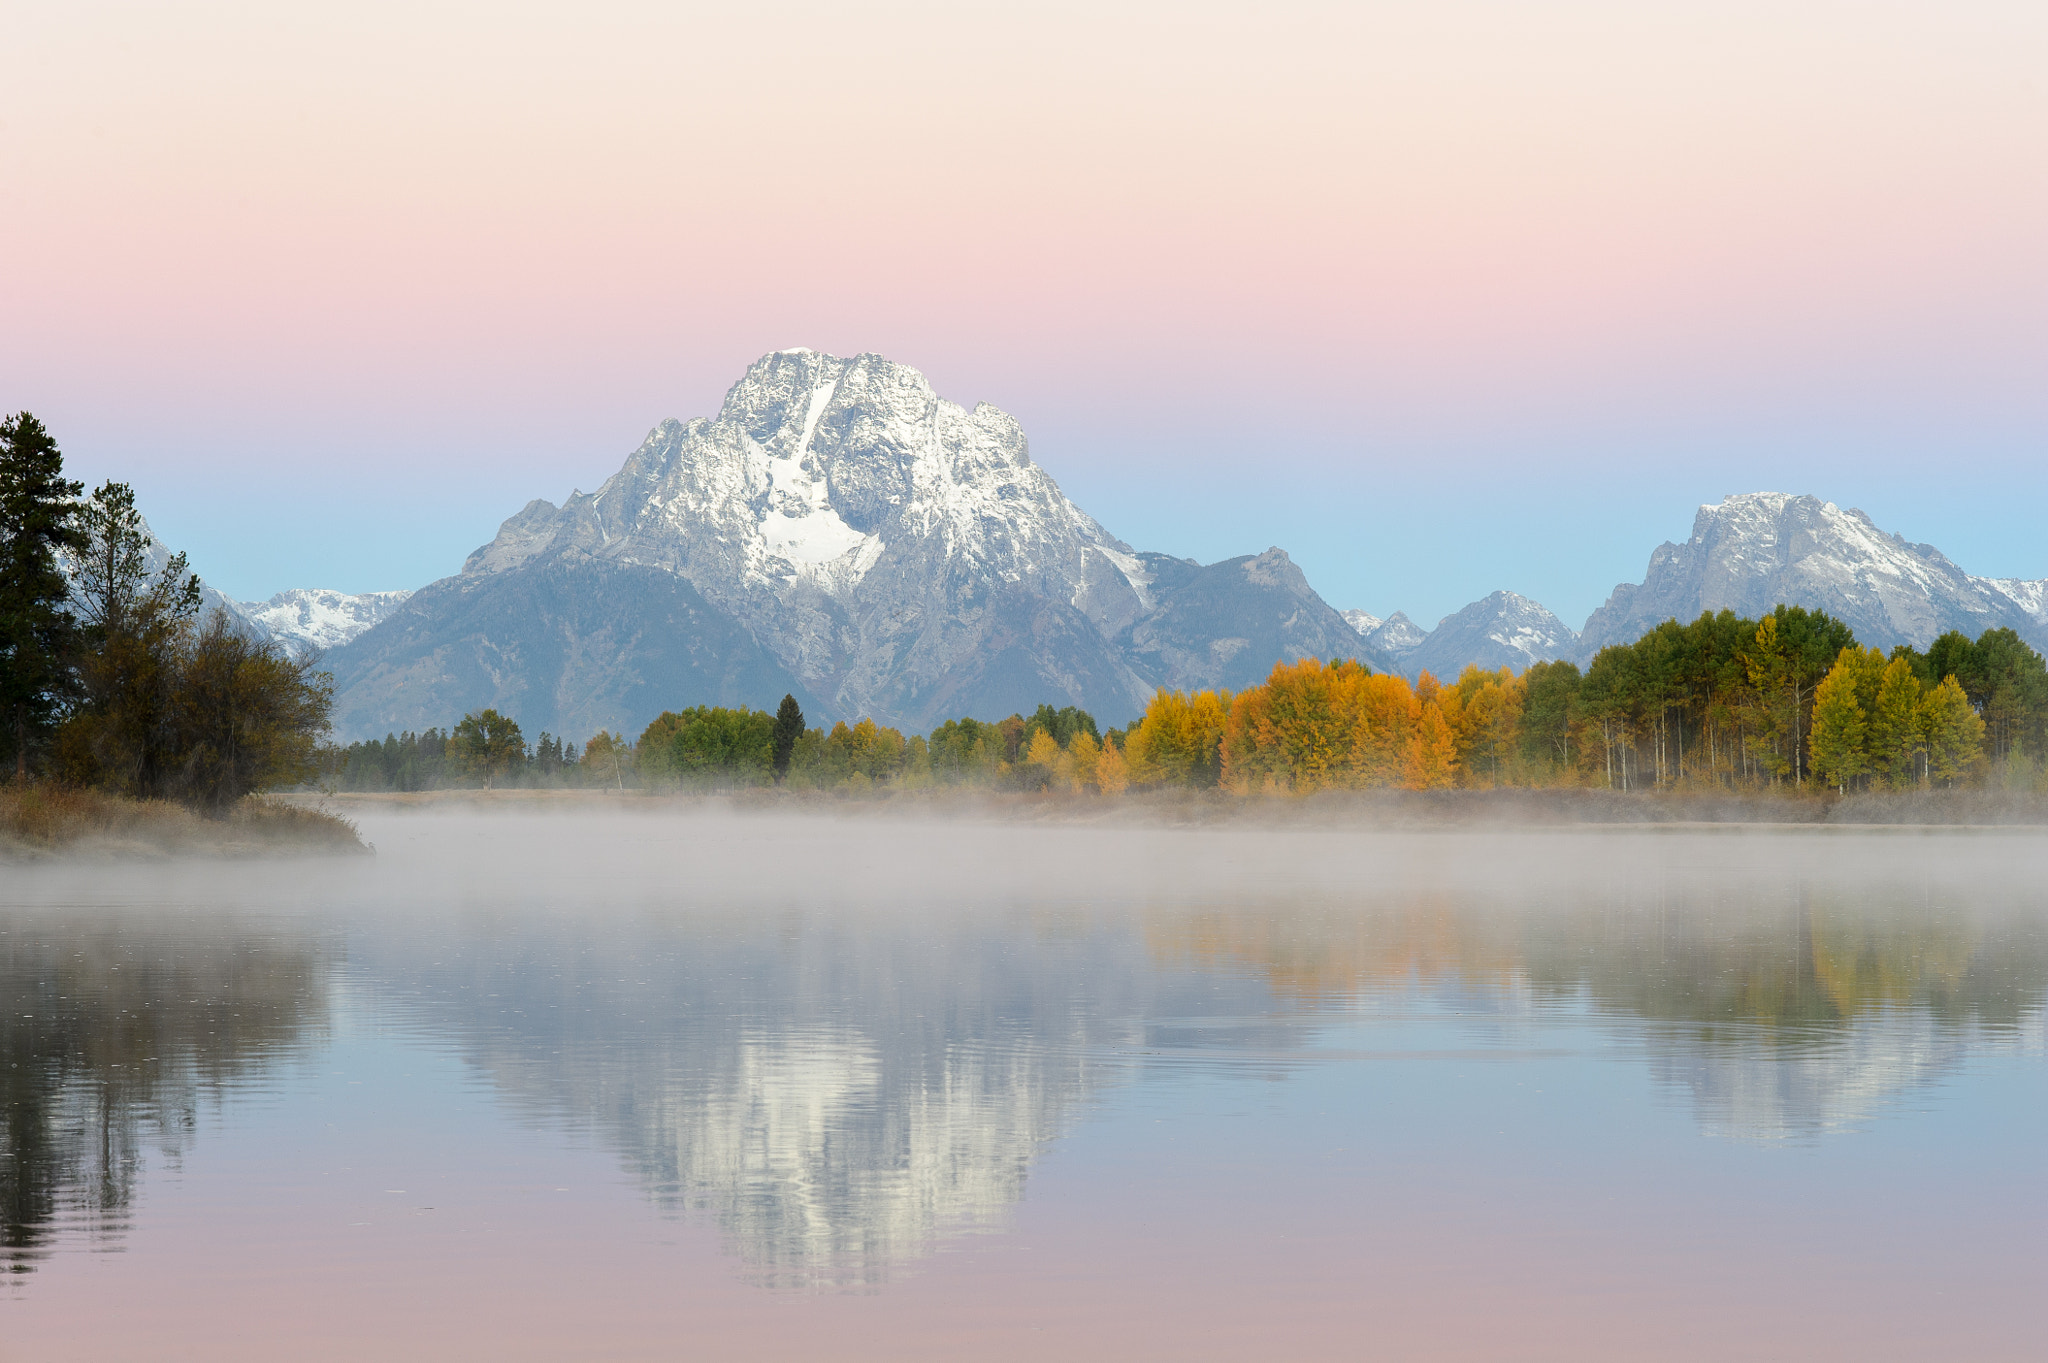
(109,676)
(1788,702)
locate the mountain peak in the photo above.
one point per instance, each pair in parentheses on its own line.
(899,554)
(1755,550)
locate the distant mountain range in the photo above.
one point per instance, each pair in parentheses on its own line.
(841,532)
(1747,554)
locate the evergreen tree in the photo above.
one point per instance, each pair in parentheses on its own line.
(134,632)
(789,726)
(38,521)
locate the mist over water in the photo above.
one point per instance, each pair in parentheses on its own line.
(810,1070)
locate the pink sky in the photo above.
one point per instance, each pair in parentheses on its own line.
(470,252)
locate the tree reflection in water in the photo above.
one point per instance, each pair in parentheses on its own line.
(115,1031)
(1787,1007)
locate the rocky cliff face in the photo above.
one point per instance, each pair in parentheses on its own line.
(1758,549)
(895,554)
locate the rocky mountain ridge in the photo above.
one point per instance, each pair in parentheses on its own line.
(318,617)
(889,553)
(1747,554)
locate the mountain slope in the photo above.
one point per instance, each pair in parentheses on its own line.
(574,645)
(1758,549)
(1501,630)
(896,554)
(1226,624)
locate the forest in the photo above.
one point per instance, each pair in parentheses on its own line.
(1788,703)
(111,680)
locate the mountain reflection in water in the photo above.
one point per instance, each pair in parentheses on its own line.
(836,1091)
(840,1063)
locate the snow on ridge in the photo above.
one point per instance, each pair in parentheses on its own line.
(1363,621)
(2030,595)
(320,616)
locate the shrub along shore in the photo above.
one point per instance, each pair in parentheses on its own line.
(44,820)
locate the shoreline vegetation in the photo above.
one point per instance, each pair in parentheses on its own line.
(131,721)
(43,820)
(1786,717)
(133,724)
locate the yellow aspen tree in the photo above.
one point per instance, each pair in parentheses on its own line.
(1082,756)
(1954,729)
(1043,757)
(1382,730)
(1432,752)
(1112,776)
(1180,739)
(1836,744)
(1897,738)
(1247,761)
(1140,767)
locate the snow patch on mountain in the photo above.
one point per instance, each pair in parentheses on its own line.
(1505,629)
(1361,621)
(842,509)
(1396,636)
(2031,596)
(1756,550)
(319,617)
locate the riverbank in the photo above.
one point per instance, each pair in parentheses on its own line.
(1509,808)
(42,820)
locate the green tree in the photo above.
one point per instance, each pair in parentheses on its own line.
(38,523)
(1954,731)
(249,716)
(489,745)
(605,759)
(1839,725)
(1550,707)
(134,630)
(1897,737)
(789,726)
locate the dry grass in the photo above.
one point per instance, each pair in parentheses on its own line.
(43,820)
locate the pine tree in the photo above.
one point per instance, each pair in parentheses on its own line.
(789,726)
(38,521)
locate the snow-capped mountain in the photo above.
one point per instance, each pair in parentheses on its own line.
(884,551)
(1758,549)
(317,616)
(1396,636)
(1362,621)
(1502,630)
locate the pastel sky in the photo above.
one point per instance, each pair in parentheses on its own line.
(1441,297)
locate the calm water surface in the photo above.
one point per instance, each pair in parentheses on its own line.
(712,1086)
